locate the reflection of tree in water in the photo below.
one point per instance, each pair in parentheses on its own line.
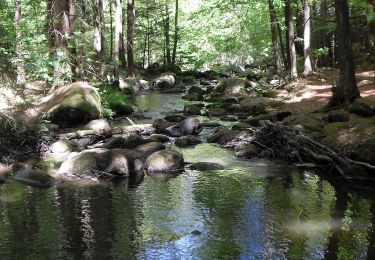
(351,236)
(225,200)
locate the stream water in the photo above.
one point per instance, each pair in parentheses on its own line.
(254,209)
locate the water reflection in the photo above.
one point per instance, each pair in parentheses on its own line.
(230,214)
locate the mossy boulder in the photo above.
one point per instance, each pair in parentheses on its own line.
(247,150)
(363,107)
(338,116)
(186,141)
(164,161)
(205,166)
(34,178)
(70,105)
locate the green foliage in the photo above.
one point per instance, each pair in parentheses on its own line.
(114,102)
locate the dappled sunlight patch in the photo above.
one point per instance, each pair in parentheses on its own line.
(313,226)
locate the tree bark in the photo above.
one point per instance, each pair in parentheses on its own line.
(117,41)
(347,90)
(290,38)
(130,37)
(175,35)
(96,30)
(122,46)
(371,32)
(21,76)
(307,38)
(167,37)
(62,24)
(275,37)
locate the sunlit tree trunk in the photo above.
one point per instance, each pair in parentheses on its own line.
(130,37)
(290,38)
(347,90)
(122,45)
(117,41)
(175,35)
(167,37)
(21,76)
(275,37)
(96,30)
(111,27)
(307,38)
(371,32)
(62,25)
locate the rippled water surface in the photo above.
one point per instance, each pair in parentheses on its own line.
(252,210)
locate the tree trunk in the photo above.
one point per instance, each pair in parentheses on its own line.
(117,42)
(21,77)
(307,38)
(371,32)
(347,90)
(275,37)
(130,41)
(102,39)
(96,30)
(62,15)
(175,35)
(167,37)
(122,46)
(111,27)
(290,38)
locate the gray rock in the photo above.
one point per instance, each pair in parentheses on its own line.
(186,141)
(99,126)
(190,126)
(192,110)
(127,143)
(247,150)
(193,97)
(165,81)
(206,166)
(2,180)
(34,178)
(149,148)
(159,138)
(164,161)
(217,112)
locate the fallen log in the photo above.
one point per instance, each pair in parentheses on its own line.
(291,143)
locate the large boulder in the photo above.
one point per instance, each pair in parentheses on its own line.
(101,162)
(185,141)
(189,126)
(247,150)
(70,105)
(165,81)
(34,178)
(232,86)
(230,138)
(164,161)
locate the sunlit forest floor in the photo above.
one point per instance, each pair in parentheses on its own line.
(314,92)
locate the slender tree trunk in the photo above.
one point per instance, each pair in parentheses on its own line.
(21,76)
(275,37)
(307,38)
(282,44)
(62,15)
(102,38)
(175,35)
(290,38)
(130,41)
(117,42)
(347,90)
(96,30)
(122,45)
(111,27)
(166,32)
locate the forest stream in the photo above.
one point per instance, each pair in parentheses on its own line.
(253,209)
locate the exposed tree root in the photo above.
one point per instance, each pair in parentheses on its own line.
(295,146)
